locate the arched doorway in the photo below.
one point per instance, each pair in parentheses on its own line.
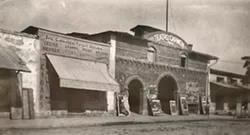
(167,87)
(134,88)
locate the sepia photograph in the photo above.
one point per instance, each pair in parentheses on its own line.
(124,67)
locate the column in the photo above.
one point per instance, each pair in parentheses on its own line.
(111,100)
(143,102)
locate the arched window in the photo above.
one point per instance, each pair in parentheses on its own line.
(183,60)
(151,54)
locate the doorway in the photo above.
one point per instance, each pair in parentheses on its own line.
(167,88)
(134,88)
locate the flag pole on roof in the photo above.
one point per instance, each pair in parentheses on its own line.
(166,15)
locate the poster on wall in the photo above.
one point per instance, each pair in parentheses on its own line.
(155,107)
(153,93)
(238,110)
(202,104)
(173,107)
(184,106)
(122,105)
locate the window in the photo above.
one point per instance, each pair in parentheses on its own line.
(233,81)
(183,60)
(151,54)
(220,79)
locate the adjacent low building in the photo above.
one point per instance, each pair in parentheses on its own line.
(17,74)
(227,90)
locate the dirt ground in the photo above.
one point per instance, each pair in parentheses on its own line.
(173,128)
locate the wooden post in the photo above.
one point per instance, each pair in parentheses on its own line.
(25,106)
(31,104)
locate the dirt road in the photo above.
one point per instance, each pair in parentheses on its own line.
(176,128)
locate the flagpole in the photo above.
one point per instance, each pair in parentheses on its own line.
(167,15)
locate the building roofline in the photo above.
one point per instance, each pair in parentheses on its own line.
(34,30)
(206,55)
(17,33)
(144,26)
(211,57)
(225,73)
(245,57)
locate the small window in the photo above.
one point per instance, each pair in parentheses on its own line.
(233,81)
(151,54)
(220,79)
(183,60)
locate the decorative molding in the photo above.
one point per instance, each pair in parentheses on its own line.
(133,77)
(178,69)
(169,74)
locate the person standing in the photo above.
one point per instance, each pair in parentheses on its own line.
(207,109)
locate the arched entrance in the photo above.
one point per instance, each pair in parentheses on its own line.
(134,88)
(167,88)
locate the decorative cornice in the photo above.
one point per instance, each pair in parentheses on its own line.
(134,61)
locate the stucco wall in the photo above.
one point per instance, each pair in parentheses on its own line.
(59,44)
(28,49)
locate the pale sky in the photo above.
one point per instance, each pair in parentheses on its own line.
(217,27)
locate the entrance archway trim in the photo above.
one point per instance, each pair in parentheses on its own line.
(164,75)
(134,77)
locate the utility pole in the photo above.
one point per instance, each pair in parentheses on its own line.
(166,15)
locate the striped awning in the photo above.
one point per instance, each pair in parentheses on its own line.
(11,61)
(82,74)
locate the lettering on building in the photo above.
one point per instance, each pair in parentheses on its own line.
(73,48)
(14,41)
(166,39)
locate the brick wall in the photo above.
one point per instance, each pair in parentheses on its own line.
(135,48)
(150,73)
(131,60)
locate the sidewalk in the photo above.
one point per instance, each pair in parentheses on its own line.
(102,121)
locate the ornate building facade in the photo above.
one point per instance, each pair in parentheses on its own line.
(153,60)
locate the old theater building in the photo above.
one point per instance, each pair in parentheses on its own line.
(75,75)
(153,58)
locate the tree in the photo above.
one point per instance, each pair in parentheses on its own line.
(246,79)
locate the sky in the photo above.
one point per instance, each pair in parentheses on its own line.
(216,27)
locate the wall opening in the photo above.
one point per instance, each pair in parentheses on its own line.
(183,60)
(134,88)
(82,100)
(151,54)
(73,100)
(5,91)
(167,88)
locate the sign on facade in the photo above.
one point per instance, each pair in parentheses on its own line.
(173,107)
(184,106)
(166,39)
(155,107)
(72,47)
(192,92)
